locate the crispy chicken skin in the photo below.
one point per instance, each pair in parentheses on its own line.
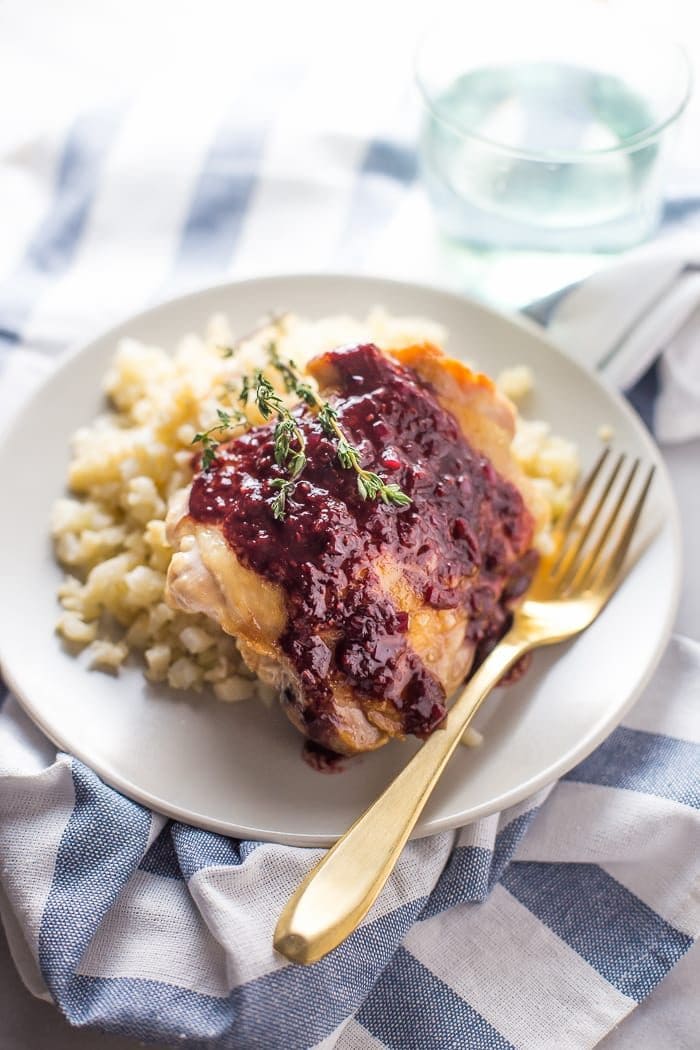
(485,416)
(365,616)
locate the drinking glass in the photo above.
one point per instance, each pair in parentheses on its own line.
(547,125)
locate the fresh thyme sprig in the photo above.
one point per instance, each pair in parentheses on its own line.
(289,440)
(285,368)
(227,420)
(369,484)
(288,433)
(245,390)
(284,488)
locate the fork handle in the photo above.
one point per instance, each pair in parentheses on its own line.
(337,894)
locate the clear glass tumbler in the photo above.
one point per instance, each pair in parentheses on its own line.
(547,124)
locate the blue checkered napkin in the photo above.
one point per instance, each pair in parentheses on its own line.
(541,927)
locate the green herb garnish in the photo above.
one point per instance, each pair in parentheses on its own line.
(290,443)
(289,440)
(369,484)
(279,503)
(287,430)
(227,420)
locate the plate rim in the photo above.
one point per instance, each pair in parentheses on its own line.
(505,800)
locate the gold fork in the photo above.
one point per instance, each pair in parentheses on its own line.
(572,585)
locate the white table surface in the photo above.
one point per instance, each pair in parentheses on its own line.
(670,1017)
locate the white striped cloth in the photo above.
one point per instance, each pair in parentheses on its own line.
(153,152)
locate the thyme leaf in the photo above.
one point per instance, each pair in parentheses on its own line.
(227,421)
(279,502)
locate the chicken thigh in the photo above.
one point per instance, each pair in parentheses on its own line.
(364,615)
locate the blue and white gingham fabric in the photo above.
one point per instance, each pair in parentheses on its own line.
(191,150)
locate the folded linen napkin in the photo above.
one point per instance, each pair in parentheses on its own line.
(639,324)
(486,937)
(543,926)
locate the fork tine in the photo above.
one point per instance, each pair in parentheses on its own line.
(571,558)
(562,529)
(611,568)
(588,563)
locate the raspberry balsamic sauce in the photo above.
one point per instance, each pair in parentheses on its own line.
(463,542)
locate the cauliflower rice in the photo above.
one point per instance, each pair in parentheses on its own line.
(110,534)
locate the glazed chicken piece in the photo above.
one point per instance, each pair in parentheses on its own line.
(365,616)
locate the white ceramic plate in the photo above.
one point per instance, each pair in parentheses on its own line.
(236,768)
